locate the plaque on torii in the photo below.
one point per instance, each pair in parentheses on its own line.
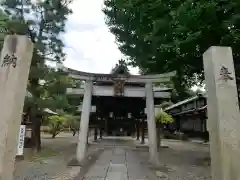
(119,88)
(119,76)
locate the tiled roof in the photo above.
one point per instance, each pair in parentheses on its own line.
(185,101)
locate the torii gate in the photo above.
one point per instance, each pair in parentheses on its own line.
(89,78)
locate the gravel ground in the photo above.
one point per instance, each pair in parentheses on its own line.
(51,163)
(180,161)
(183,160)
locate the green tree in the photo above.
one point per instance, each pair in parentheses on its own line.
(54,87)
(161,36)
(72,122)
(3,23)
(54,97)
(56,124)
(46,22)
(162,118)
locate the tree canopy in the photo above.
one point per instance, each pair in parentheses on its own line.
(3,23)
(53,91)
(164,118)
(164,35)
(43,21)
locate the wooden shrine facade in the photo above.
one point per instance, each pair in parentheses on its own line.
(190,116)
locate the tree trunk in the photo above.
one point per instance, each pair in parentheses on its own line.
(73,132)
(34,84)
(54,135)
(56,132)
(36,138)
(36,129)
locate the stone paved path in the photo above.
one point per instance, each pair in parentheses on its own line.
(119,163)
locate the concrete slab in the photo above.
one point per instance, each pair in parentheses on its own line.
(138,176)
(119,151)
(116,176)
(117,168)
(119,163)
(94,178)
(97,171)
(118,160)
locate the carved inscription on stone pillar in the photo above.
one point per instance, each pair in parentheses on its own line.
(225,74)
(10,59)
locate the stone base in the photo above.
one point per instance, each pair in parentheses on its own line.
(19,157)
(142,146)
(73,162)
(85,162)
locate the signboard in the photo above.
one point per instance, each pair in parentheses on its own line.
(21,136)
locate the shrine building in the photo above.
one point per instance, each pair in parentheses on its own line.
(190,116)
(118,103)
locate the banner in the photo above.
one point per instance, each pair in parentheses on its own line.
(21,137)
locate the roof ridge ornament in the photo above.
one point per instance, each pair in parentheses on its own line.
(120,68)
(122,62)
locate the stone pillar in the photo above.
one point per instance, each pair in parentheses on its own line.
(86,109)
(152,136)
(223,113)
(15,63)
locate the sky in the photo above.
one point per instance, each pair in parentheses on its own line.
(89,44)
(90,47)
